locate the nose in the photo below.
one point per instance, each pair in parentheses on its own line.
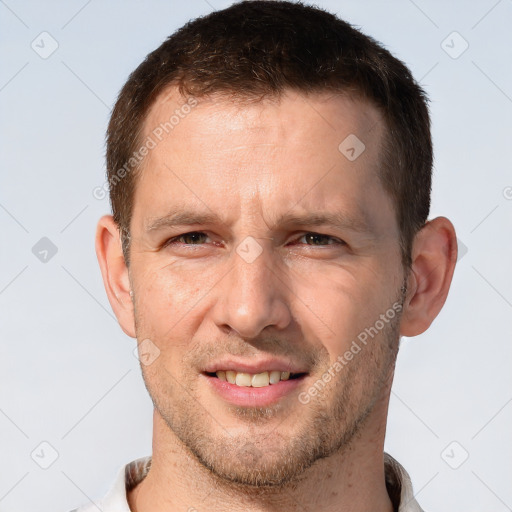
(252,295)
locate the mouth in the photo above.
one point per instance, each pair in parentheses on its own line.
(255,380)
(261,389)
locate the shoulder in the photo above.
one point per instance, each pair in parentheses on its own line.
(399,486)
(115,500)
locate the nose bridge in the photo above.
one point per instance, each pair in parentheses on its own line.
(251,270)
(252,297)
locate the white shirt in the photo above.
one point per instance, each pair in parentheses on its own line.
(397,481)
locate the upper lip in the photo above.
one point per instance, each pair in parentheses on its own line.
(263,365)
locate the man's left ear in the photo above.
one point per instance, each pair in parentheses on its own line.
(434,255)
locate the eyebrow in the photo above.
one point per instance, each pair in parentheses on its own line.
(335,219)
(183,218)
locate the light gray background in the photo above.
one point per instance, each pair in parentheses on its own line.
(68,374)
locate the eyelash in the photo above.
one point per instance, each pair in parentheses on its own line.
(337,241)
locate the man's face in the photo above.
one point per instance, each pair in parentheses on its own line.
(258,246)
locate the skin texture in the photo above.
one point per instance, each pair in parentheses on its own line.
(304,299)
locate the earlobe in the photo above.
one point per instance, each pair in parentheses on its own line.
(434,255)
(115,273)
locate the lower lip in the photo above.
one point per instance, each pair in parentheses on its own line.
(254,397)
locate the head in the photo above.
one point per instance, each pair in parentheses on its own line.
(270,173)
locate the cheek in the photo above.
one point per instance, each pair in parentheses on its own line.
(337,305)
(166,300)
(176,285)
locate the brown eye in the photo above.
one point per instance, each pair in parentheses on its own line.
(318,239)
(192,238)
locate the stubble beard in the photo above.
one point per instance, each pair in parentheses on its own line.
(259,458)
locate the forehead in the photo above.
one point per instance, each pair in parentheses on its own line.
(316,113)
(267,154)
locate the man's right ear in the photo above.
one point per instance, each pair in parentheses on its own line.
(115,273)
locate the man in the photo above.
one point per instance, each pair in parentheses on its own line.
(270,170)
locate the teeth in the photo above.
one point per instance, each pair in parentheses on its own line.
(243,379)
(257,380)
(260,379)
(275,377)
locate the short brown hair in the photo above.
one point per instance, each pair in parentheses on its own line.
(259,48)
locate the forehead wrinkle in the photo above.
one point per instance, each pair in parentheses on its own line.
(252,145)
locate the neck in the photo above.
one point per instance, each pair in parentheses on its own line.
(352,479)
